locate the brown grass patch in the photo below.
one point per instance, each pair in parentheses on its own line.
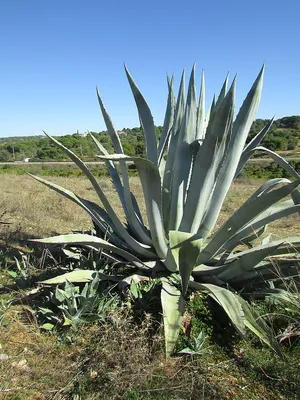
(34,210)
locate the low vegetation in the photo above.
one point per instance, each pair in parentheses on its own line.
(284,135)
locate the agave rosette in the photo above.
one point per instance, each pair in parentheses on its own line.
(185,178)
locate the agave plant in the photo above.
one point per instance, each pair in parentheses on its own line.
(185,178)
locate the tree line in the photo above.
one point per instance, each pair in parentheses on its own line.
(283,135)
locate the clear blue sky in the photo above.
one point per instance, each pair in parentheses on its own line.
(54,53)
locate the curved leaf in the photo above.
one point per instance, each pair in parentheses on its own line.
(151,184)
(146,120)
(173,306)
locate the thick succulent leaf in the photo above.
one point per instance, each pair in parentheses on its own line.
(227,300)
(280,161)
(169,167)
(208,270)
(87,240)
(151,184)
(200,127)
(285,165)
(101,222)
(168,122)
(240,130)
(183,157)
(222,93)
(79,276)
(146,120)
(243,216)
(124,192)
(110,128)
(210,112)
(185,248)
(264,273)
(250,148)
(207,164)
(259,327)
(173,309)
(245,261)
(271,215)
(139,248)
(282,295)
(112,171)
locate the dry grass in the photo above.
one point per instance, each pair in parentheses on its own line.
(37,367)
(115,360)
(34,210)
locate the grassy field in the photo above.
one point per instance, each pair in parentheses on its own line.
(33,210)
(118,358)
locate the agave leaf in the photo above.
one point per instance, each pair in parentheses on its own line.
(109,125)
(240,130)
(139,248)
(265,218)
(151,184)
(210,113)
(280,161)
(208,270)
(183,157)
(200,130)
(78,276)
(254,236)
(169,167)
(146,120)
(48,326)
(222,93)
(173,309)
(207,164)
(81,202)
(112,171)
(227,300)
(168,122)
(250,148)
(245,261)
(87,240)
(185,248)
(264,273)
(285,165)
(259,327)
(243,216)
(126,195)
